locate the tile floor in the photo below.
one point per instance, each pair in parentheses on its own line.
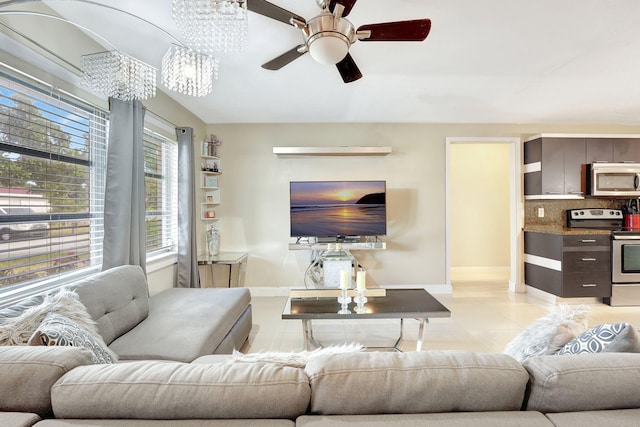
(485,316)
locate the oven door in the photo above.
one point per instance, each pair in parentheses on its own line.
(625,259)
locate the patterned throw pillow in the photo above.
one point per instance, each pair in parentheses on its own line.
(59,330)
(615,337)
(549,333)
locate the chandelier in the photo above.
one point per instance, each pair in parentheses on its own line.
(118,75)
(187,71)
(210,26)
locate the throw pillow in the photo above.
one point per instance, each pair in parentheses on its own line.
(17,330)
(296,360)
(613,338)
(550,333)
(62,331)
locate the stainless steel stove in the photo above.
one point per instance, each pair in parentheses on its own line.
(595,218)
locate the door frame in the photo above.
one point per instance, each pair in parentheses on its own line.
(516,206)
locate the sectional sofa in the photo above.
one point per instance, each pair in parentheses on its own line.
(60,387)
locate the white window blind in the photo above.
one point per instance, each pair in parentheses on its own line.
(52,160)
(161,186)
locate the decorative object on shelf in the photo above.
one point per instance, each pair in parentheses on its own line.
(335,261)
(189,72)
(213,241)
(210,181)
(344,299)
(118,75)
(211,26)
(210,146)
(361,289)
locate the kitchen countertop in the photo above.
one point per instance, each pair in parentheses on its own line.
(554,229)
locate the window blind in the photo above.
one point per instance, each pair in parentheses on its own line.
(52,162)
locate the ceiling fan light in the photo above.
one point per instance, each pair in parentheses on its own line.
(328,48)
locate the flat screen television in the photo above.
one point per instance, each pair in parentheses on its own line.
(339,209)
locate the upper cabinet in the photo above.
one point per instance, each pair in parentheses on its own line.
(554,166)
(616,150)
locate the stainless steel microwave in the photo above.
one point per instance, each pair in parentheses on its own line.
(613,179)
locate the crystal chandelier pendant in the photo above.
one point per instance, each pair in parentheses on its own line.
(189,72)
(210,26)
(119,76)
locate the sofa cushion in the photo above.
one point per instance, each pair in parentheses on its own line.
(183,324)
(170,390)
(617,418)
(584,382)
(167,423)
(17,330)
(27,374)
(18,419)
(117,299)
(615,337)
(458,419)
(59,330)
(416,382)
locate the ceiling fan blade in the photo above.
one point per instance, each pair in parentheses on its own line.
(401,31)
(272,11)
(348,69)
(348,5)
(285,58)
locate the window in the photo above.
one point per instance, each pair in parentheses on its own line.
(161,187)
(52,166)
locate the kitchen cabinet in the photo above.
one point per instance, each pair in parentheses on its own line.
(616,150)
(553,167)
(568,266)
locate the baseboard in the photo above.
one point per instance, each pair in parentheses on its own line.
(283,291)
(554,299)
(480,273)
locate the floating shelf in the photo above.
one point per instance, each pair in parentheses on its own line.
(332,151)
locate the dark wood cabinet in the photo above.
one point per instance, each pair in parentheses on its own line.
(616,150)
(568,265)
(553,167)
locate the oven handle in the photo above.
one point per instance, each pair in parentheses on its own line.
(626,237)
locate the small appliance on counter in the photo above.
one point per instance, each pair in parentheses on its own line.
(595,218)
(631,214)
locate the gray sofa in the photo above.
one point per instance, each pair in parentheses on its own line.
(176,324)
(59,387)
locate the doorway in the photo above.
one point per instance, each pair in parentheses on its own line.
(494,219)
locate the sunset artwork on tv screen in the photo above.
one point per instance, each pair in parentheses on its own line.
(338,208)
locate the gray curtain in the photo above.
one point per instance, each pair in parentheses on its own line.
(187,269)
(124,199)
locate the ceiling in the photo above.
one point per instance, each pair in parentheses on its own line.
(491,61)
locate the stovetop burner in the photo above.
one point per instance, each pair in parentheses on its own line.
(596,218)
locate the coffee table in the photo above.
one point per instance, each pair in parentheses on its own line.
(397,304)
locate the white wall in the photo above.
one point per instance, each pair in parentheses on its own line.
(479,203)
(255,198)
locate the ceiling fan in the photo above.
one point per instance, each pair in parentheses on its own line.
(328,36)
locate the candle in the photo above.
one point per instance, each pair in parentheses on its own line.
(344,279)
(361,280)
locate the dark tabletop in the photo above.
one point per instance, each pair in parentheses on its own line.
(398,303)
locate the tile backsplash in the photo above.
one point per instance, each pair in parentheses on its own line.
(555,210)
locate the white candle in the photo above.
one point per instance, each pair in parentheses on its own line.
(344,279)
(361,280)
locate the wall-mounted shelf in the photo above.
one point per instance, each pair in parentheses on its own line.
(332,151)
